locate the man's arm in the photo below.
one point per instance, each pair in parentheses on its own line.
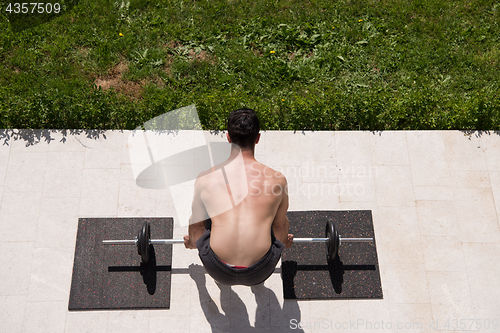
(195,231)
(197,220)
(280,223)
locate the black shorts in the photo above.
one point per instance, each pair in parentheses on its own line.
(225,274)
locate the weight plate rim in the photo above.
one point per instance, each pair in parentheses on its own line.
(145,234)
(332,245)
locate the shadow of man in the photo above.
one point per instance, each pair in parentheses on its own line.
(234,315)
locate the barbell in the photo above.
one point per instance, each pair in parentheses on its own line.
(332,240)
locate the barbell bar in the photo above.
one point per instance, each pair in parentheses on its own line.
(143,240)
(324,240)
(176,241)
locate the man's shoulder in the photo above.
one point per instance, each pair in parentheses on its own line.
(205,177)
(204,173)
(270,172)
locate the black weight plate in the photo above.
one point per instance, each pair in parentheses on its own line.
(143,238)
(145,249)
(139,241)
(332,245)
(329,243)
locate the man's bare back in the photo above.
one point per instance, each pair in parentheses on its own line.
(241,235)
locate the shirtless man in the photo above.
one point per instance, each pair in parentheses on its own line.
(240,243)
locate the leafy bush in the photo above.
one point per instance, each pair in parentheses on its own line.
(315,65)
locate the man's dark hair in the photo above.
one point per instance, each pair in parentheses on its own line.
(243,127)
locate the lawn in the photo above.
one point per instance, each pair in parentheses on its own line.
(302,65)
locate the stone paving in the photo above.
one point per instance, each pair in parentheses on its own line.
(434,196)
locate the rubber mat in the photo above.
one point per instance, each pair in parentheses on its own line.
(112,276)
(355,273)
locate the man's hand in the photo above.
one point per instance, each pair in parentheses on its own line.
(187,243)
(289,241)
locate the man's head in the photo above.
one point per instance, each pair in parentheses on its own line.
(243,128)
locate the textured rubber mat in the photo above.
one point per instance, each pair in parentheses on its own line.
(355,273)
(112,276)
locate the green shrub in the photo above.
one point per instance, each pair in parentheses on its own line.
(314,65)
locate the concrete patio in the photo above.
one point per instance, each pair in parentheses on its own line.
(434,196)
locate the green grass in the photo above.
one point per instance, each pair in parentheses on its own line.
(321,65)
